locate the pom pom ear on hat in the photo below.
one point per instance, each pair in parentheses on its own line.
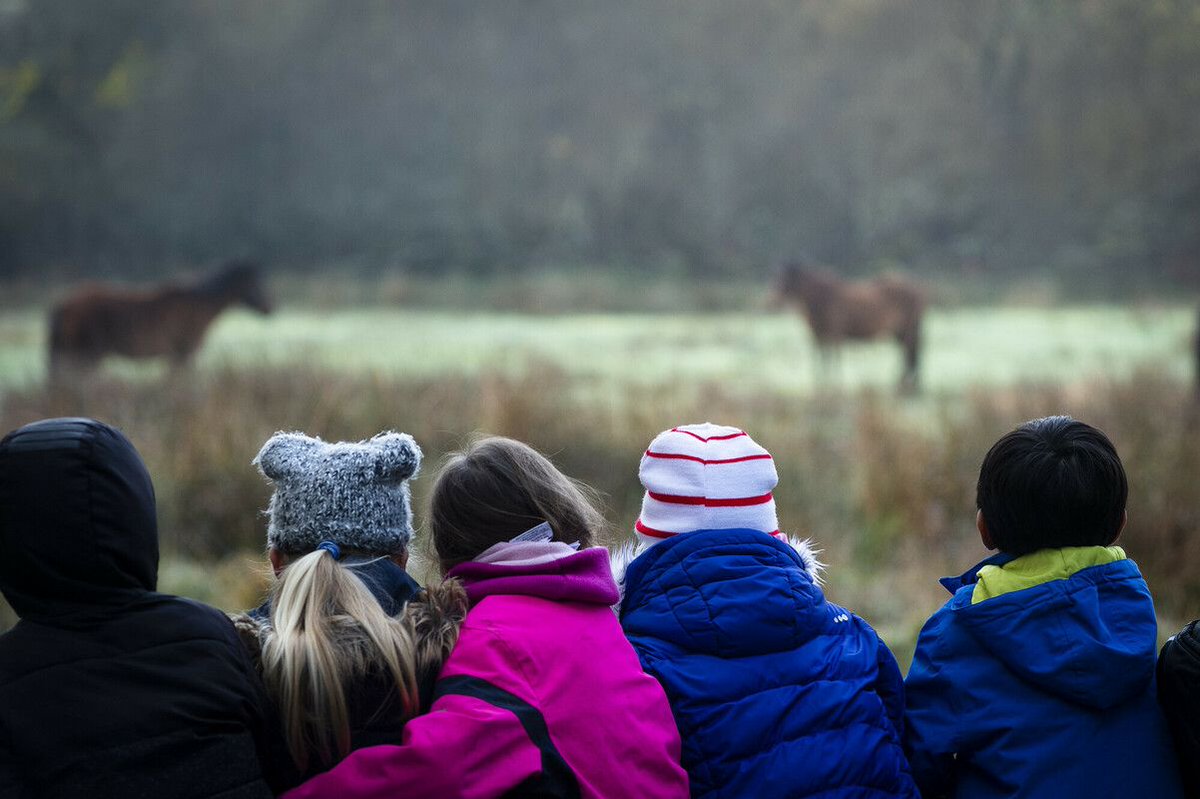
(397,456)
(354,494)
(284,454)
(705,477)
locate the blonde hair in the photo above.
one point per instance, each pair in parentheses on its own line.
(328,633)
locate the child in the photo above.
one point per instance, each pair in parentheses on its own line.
(542,695)
(108,688)
(1179,697)
(337,656)
(776,691)
(1037,678)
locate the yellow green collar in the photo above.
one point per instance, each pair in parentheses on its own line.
(1036,568)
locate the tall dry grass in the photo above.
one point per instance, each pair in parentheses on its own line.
(918,480)
(886,488)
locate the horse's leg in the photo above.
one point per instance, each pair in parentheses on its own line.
(820,365)
(181,358)
(56,365)
(62,350)
(910,341)
(829,364)
(66,367)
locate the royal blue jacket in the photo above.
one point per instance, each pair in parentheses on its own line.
(777,692)
(1043,691)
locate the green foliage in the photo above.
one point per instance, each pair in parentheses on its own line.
(119,87)
(16,84)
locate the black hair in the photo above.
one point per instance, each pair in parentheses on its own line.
(1052,482)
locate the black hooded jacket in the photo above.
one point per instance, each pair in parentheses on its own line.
(1179,694)
(107,688)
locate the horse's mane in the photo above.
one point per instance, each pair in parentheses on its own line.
(228,279)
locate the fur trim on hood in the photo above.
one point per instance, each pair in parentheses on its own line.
(624,554)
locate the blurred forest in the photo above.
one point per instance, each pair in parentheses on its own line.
(700,138)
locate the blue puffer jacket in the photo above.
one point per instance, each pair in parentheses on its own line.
(777,692)
(1041,691)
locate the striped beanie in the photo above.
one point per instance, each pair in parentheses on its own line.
(705,477)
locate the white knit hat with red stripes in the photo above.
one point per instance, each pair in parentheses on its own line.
(705,477)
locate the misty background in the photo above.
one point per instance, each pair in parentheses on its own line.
(987,141)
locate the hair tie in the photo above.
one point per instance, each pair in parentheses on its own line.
(331,548)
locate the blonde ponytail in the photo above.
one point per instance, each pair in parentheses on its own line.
(329,633)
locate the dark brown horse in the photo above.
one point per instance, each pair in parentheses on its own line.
(839,310)
(168,319)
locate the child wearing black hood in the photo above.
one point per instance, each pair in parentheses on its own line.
(108,688)
(1179,696)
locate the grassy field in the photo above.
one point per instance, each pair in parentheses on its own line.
(884,485)
(964,348)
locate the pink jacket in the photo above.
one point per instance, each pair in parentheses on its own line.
(541,696)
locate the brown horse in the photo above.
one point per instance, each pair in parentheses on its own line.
(168,319)
(838,310)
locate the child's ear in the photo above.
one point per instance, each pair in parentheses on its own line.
(278,560)
(985,535)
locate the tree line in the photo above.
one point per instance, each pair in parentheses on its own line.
(996,138)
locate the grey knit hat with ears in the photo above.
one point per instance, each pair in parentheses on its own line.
(353,494)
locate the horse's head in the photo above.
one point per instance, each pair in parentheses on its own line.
(794,281)
(241,282)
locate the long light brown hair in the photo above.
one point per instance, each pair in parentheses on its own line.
(498,488)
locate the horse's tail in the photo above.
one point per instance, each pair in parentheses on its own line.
(63,342)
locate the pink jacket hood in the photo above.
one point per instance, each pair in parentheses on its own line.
(582,577)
